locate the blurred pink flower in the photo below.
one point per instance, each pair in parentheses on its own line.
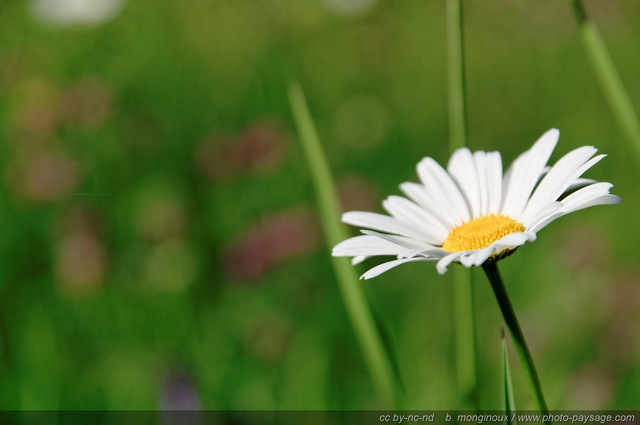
(43,176)
(272,240)
(88,102)
(258,149)
(80,263)
(80,257)
(357,193)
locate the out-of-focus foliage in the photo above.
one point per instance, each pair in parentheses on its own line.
(159,243)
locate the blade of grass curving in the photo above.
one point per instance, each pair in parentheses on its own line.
(509,402)
(358,310)
(462,285)
(608,76)
(491,269)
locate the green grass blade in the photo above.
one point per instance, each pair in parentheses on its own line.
(464,337)
(455,70)
(608,77)
(358,310)
(462,285)
(509,401)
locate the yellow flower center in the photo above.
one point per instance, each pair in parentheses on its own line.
(480,232)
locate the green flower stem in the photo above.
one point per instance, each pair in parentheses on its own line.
(491,269)
(608,77)
(462,285)
(355,302)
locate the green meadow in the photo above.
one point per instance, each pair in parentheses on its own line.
(160,242)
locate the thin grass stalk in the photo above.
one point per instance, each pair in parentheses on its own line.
(464,337)
(500,291)
(509,400)
(358,310)
(455,71)
(462,285)
(608,76)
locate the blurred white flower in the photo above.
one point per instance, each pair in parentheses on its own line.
(348,7)
(64,13)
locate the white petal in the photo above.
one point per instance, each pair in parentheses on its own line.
(419,194)
(578,183)
(514,240)
(359,259)
(435,253)
(607,199)
(489,172)
(542,216)
(559,178)
(383,223)
(479,256)
(463,169)
(595,194)
(366,246)
(543,222)
(378,270)
(481,167)
(409,243)
(443,189)
(444,262)
(407,211)
(525,172)
(493,170)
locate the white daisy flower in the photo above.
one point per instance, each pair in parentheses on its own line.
(471,212)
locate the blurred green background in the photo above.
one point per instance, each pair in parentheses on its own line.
(160,247)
